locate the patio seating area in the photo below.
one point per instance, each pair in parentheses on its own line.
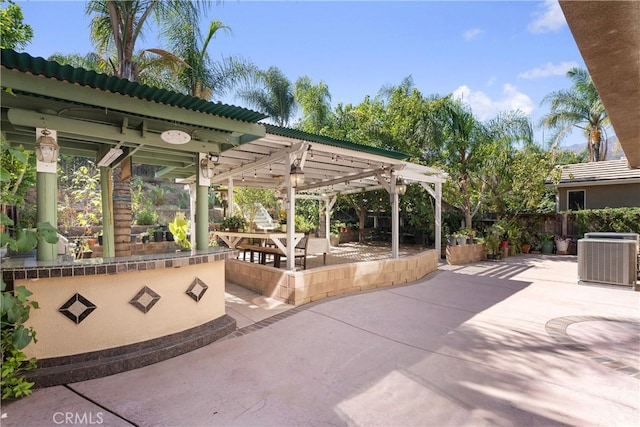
(344,253)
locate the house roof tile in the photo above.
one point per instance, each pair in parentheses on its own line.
(610,170)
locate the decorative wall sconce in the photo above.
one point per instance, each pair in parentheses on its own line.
(46,148)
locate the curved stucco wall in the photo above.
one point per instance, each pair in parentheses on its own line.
(115,322)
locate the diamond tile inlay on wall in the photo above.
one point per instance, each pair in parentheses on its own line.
(145,299)
(77,308)
(197,289)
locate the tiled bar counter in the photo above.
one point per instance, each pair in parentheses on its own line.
(100,316)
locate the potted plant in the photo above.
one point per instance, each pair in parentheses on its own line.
(470,234)
(157,233)
(562,244)
(515,242)
(526,242)
(547,243)
(180,230)
(283,220)
(233,223)
(492,244)
(461,238)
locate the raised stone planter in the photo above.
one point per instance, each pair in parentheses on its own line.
(465,254)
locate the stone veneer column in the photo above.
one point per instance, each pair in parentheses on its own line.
(121,214)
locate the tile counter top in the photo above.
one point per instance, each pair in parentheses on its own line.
(28,268)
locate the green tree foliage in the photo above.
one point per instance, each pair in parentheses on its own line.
(17,173)
(15,308)
(580,106)
(620,220)
(14,303)
(14,34)
(116,26)
(203,77)
(250,199)
(315,101)
(91,61)
(273,95)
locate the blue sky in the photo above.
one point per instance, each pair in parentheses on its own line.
(497,56)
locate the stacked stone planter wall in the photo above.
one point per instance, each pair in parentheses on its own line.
(465,254)
(301,287)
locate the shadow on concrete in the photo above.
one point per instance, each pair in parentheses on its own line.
(455,348)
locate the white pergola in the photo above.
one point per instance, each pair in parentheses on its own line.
(330,167)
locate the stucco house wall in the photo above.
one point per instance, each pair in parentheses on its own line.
(606,184)
(604,196)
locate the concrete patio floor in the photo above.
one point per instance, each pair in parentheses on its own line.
(517,342)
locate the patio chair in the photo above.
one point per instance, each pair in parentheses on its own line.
(300,253)
(317,246)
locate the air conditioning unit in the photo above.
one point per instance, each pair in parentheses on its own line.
(612,261)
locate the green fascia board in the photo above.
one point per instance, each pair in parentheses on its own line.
(26,63)
(321,139)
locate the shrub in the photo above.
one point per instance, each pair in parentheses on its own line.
(146,216)
(620,220)
(233,222)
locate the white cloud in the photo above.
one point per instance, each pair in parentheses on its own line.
(472,33)
(550,19)
(548,69)
(485,108)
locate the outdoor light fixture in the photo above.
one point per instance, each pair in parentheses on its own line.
(110,157)
(401,187)
(296,175)
(175,137)
(46,148)
(208,164)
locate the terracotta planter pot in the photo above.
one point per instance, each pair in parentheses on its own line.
(525,248)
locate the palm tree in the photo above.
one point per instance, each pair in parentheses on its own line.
(579,106)
(203,77)
(116,26)
(274,96)
(316,104)
(406,86)
(91,61)
(476,155)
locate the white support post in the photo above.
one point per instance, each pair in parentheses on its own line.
(327,219)
(230,202)
(438,218)
(395,218)
(291,211)
(437,195)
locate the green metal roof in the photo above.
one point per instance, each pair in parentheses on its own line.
(39,66)
(321,139)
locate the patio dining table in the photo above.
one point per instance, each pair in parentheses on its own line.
(232,238)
